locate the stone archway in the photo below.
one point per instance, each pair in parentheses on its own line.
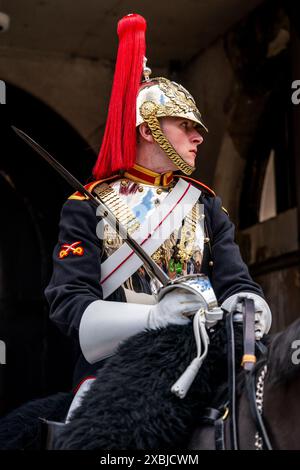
(31,198)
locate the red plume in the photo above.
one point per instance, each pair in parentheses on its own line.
(118,149)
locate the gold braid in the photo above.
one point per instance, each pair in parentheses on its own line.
(153,123)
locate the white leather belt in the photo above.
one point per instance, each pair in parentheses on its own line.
(151,235)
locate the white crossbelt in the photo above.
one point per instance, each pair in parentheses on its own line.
(151,235)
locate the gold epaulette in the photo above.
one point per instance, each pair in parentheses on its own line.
(202,185)
(91,186)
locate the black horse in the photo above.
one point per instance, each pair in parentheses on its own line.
(276,380)
(130,406)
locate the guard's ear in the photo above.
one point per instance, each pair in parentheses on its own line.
(145,133)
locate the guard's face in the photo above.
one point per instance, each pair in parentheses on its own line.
(184,136)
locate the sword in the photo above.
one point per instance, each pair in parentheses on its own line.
(106,213)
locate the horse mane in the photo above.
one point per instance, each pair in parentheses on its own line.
(283,359)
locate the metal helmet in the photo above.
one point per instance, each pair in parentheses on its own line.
(168,98)
(160,97)
(154,98)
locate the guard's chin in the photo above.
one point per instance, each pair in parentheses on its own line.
(190,160)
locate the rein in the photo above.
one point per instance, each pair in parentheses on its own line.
(255,392)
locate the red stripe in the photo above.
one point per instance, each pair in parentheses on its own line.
(141,175)
(169,178)
(149,235)
(81,382)
(196,181)
(90,186)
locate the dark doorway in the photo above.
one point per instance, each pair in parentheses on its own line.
(39,359)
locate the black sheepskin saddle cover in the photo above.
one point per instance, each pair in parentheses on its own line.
(21,429)
(130,405)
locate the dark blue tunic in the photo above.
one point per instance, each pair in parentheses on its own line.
(75,280)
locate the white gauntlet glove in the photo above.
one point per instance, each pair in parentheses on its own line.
(263,315)
(174,308)
(104,324)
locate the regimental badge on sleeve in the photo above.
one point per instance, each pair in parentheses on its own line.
(72,248)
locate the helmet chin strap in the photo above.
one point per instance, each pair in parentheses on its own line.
(147,111)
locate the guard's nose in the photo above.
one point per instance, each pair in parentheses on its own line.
(197,137)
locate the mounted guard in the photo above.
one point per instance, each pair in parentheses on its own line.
(104,291)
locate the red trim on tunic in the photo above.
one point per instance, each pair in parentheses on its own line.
(196,181)
(90,187)
(81,382)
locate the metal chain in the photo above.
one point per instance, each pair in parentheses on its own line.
(259,396)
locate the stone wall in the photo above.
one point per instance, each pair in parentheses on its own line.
(238,82)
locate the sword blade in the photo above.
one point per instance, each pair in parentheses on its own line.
(105,211)
(55,164)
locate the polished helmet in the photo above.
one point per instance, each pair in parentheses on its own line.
(134,101)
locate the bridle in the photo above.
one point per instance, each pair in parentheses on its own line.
(254,388)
